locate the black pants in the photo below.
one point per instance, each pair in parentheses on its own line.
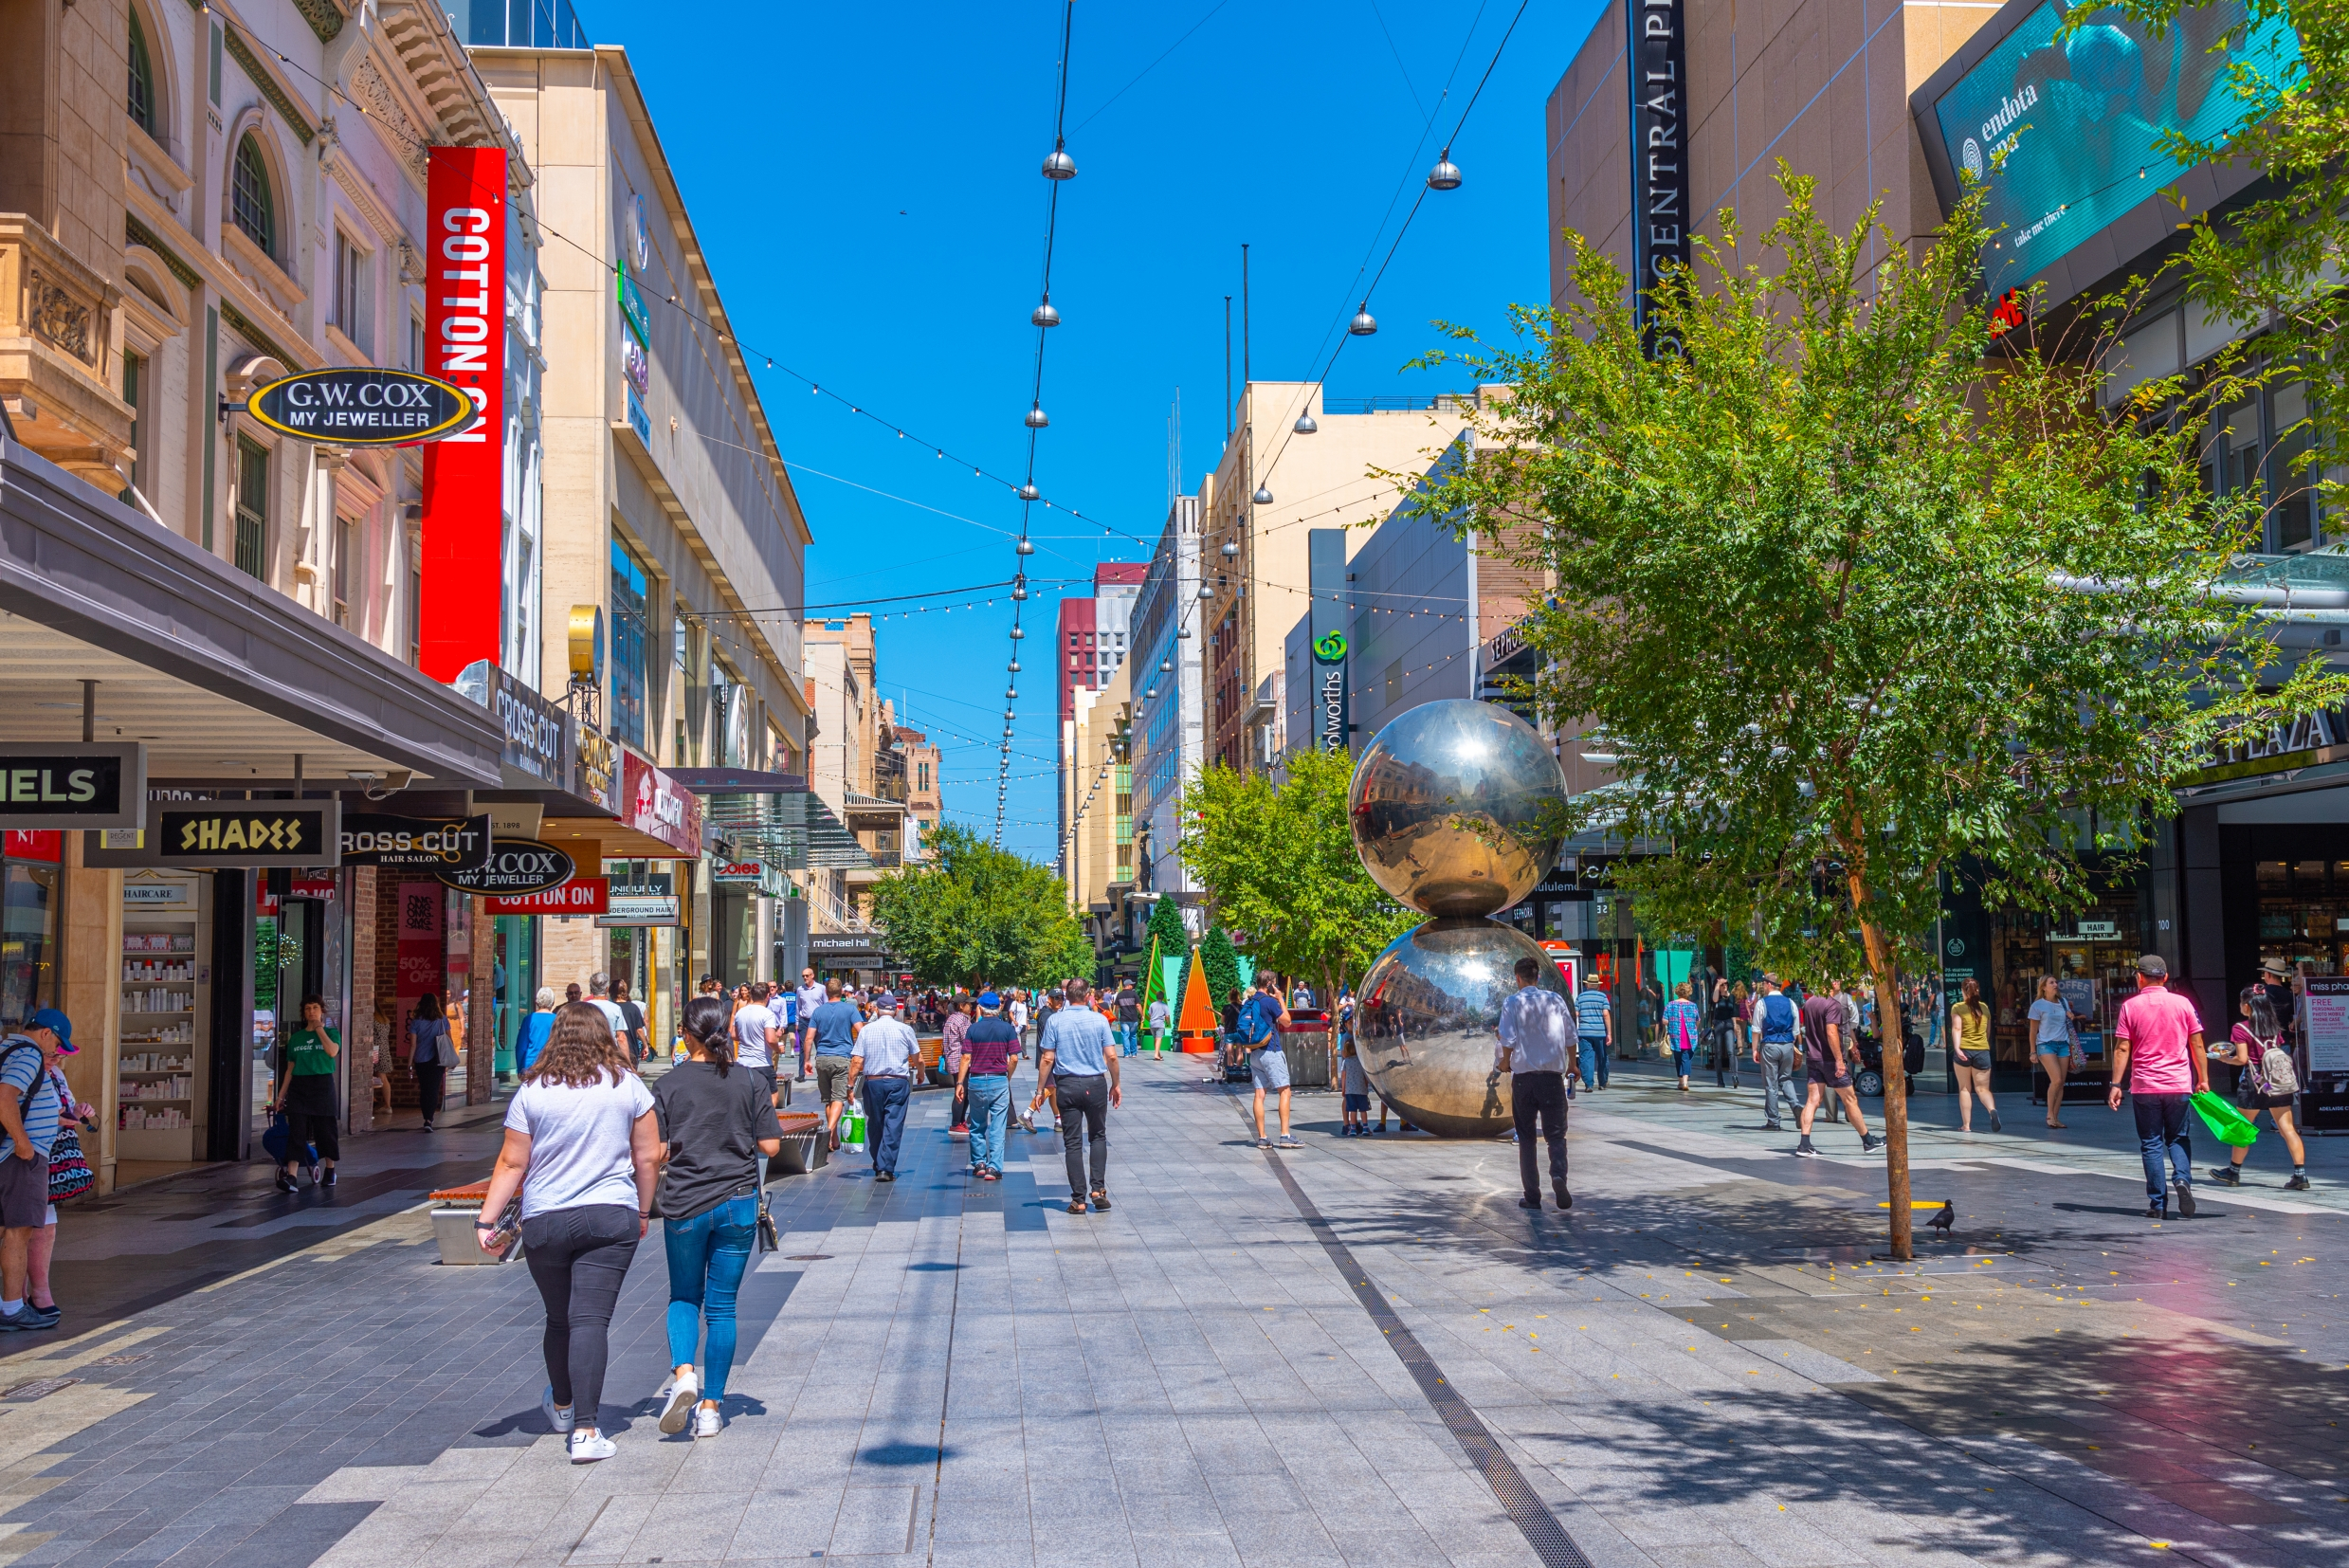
(578,1257)
(431,1084)
(1083,1103)
(315,1128)
(1540,1097)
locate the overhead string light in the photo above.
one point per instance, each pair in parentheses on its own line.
(1059,169)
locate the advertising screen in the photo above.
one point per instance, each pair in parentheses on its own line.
(2079,118)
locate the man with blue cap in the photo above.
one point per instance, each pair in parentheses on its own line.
(991,1049)
(883,1058)
(31,1111)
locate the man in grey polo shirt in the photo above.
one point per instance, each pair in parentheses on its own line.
(1077,1063)
(883,1060)
(1537,1027)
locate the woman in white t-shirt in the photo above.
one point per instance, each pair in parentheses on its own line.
(583,1147)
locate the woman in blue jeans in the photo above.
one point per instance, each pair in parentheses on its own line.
(715,1121)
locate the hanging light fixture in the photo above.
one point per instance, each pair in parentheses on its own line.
(1012,694)
(1304,425)
(1038,419)
(1043,315)
(1182,632)
(1030,492)
(1150,694)
(1009,716)
(1445,174)
(1364,323)
(1231,549)
(1165,667)
(1019,588)
(1207,591)
(1059,166)
(1017,635)
(1013,667)
(1263,495)
(1025,547)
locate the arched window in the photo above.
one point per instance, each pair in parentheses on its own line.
(249,202)
(142,100)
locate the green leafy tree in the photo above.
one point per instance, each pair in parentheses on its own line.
(970,912)
(1278,861)
(1165,938)
(1853,604)
(1220,960)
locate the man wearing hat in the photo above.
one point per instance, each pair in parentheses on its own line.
(883,1061)
(2275,978)
(990,1049)
(30,1114)
(2158,1054)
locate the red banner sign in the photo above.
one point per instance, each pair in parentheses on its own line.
(465,344)
(39,844)
(653,803)
(579,896)
(419,934)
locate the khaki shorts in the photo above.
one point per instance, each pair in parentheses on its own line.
(831,1079)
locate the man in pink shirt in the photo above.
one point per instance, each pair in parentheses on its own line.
(2159,1055)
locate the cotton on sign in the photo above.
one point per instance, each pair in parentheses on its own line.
(464,475)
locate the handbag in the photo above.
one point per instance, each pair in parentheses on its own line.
(768,1239)
(69,1170)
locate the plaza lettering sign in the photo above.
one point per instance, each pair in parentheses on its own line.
(71,786)
(1660,197)
(417,843)
(2302,741)
(579,896)
(298,834)
(360,405)
(516,866)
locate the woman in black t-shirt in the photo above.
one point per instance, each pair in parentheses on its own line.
(716,1121)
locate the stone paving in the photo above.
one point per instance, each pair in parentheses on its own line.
(1378,1360)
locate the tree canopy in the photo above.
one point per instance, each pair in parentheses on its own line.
(970,912)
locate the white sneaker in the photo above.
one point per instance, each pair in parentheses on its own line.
(706,1421)
(562,1420)
(588,1447)
(681,1393)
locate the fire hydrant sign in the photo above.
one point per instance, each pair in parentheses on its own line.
(361,406)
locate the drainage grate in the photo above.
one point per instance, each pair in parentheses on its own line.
(132,1359)
(38,1388)
(808,1257)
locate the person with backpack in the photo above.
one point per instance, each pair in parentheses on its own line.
(30,1112)
(2269,1082)
(1682,1027)
(431,1055)
(1775,1023)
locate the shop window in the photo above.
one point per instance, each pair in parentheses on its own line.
(250,202)
(28,954)
(142,101)
(630,637)
(252,508)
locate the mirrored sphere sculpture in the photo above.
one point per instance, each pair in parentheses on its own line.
(1423,1024)
(1447,807)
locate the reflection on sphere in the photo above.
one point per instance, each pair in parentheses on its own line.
(1444,804)
(1424,1020)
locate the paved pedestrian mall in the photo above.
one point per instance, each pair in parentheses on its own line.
(1360,1354)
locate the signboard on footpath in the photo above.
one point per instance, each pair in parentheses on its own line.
(464,345)
(579,896)
(2328,1023)
(64,785)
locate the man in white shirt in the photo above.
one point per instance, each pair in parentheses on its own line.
(599,997)
(1018,1013)
(755,1031)
(1159,1019)
(810,997)
(883,1063)
(1536,1032)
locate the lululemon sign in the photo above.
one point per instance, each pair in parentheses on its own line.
(464,345)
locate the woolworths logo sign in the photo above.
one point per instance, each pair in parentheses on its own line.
(1330,646)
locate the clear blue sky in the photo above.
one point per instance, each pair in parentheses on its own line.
(865,183)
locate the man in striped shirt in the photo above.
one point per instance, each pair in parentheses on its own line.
(1595,1032)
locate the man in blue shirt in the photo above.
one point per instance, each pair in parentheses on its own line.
(1595,1032)
(1261,1017)
(30,1113)
(835,1026)
(1078,1060)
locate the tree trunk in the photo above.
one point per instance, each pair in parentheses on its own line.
(1891,1034)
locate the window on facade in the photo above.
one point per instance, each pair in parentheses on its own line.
(252,507)
(2296,506)
(133,393)
(346,547)
(631,634)
(416,343)
(141,102)
(249,201)
(351,291)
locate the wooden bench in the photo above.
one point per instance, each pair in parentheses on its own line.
(805,1147)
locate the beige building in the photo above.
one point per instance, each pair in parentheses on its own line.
(1097,799)
(1807,82)
(853,767)
(1252,555)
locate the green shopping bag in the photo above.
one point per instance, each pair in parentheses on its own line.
(2228,1125)
(852,1126)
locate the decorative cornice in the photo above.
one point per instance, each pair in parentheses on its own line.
(325,16)
(266,81)
(134,232)
(260,339)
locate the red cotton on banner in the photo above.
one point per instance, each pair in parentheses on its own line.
(579,896)
(465,474)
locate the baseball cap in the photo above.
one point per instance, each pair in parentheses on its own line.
(987,998)
(2152,964)
(50,1018)
(883,999)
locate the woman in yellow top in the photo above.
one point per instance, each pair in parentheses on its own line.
(1969,1053)
(306,1095)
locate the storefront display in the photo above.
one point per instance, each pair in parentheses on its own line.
(29,879)
(164,1039)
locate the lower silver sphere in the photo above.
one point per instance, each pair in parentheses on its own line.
(1425,1025)
(1448,808)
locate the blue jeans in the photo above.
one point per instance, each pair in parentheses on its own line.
(707,1256)
(1592,1052)
(991,1116)
(884,1119)
(1125,1034)
(2161,1136)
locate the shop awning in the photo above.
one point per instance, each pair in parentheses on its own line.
(225,679)
(774,817)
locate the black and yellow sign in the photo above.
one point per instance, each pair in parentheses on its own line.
(227,832)
(362,406)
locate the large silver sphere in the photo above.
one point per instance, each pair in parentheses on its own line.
(1425,1025)
(1446,808)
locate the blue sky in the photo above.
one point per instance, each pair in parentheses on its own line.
(865,183)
